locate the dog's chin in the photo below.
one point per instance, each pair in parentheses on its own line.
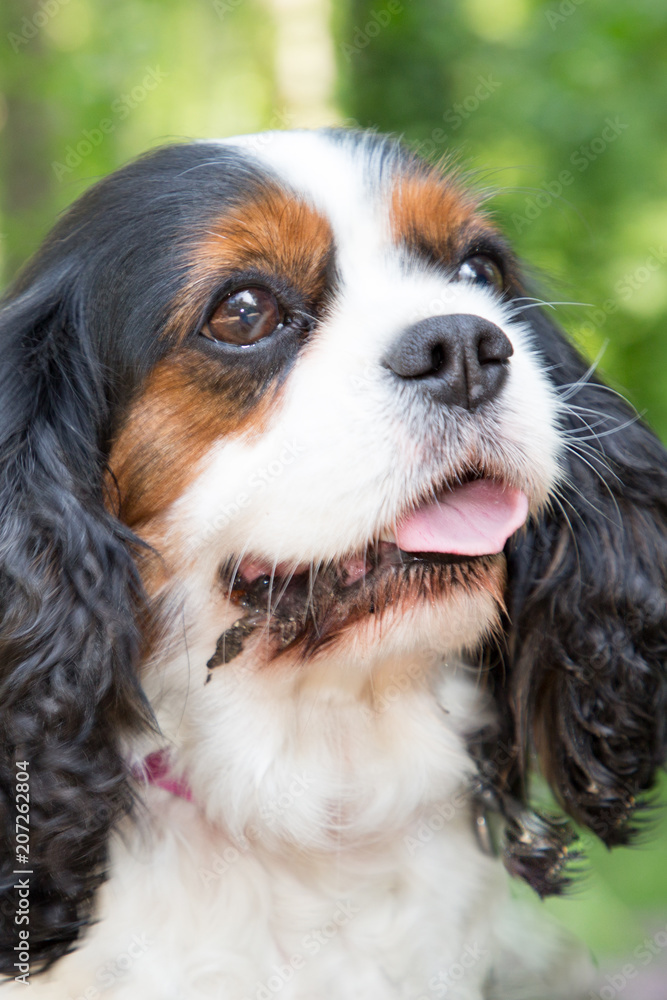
(384,600)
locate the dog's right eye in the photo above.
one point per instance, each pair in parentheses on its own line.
(480,269)
(244,317)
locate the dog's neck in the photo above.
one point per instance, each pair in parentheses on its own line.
(340,751)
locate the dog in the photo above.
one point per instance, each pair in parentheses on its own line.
(317,533)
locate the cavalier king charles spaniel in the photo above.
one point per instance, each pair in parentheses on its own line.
(317,538)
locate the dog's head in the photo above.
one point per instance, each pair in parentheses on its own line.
(288,391)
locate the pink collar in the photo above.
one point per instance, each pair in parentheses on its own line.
(155,770)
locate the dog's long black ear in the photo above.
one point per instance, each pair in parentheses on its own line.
(588,606)
(69,594)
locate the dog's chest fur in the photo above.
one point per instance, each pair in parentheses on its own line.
(234,921)
(335,857)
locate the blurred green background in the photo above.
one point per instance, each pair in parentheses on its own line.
(560,107)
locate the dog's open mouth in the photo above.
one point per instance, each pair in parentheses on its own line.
(446,542)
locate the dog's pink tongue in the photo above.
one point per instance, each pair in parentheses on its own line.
(474,519)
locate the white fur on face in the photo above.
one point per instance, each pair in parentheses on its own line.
(347,448)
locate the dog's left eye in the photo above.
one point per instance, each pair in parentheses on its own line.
(481,270)
(244,317)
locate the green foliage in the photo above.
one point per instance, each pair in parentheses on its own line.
(85,85)
(524,92)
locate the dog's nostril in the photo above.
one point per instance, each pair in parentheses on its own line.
(493,347)
(437,359)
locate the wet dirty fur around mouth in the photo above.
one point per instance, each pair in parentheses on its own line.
(307,610)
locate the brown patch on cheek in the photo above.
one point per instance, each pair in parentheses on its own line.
(432,215)
(190,400)
(187,404)
(276,233)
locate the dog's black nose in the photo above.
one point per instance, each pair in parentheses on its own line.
(460,360)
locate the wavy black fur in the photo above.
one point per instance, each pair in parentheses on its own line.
(584,671)
(68,594)
(72,351)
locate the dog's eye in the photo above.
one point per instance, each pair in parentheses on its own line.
(481,270)
(244,317)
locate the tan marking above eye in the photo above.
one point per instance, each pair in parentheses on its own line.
(244,317)
(434,212)
(275,233)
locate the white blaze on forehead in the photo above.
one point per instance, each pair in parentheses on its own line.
(333,175)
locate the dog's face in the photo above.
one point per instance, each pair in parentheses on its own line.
(351,418)
(280,401)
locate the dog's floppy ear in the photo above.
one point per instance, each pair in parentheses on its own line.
(588,606)
(69,594)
